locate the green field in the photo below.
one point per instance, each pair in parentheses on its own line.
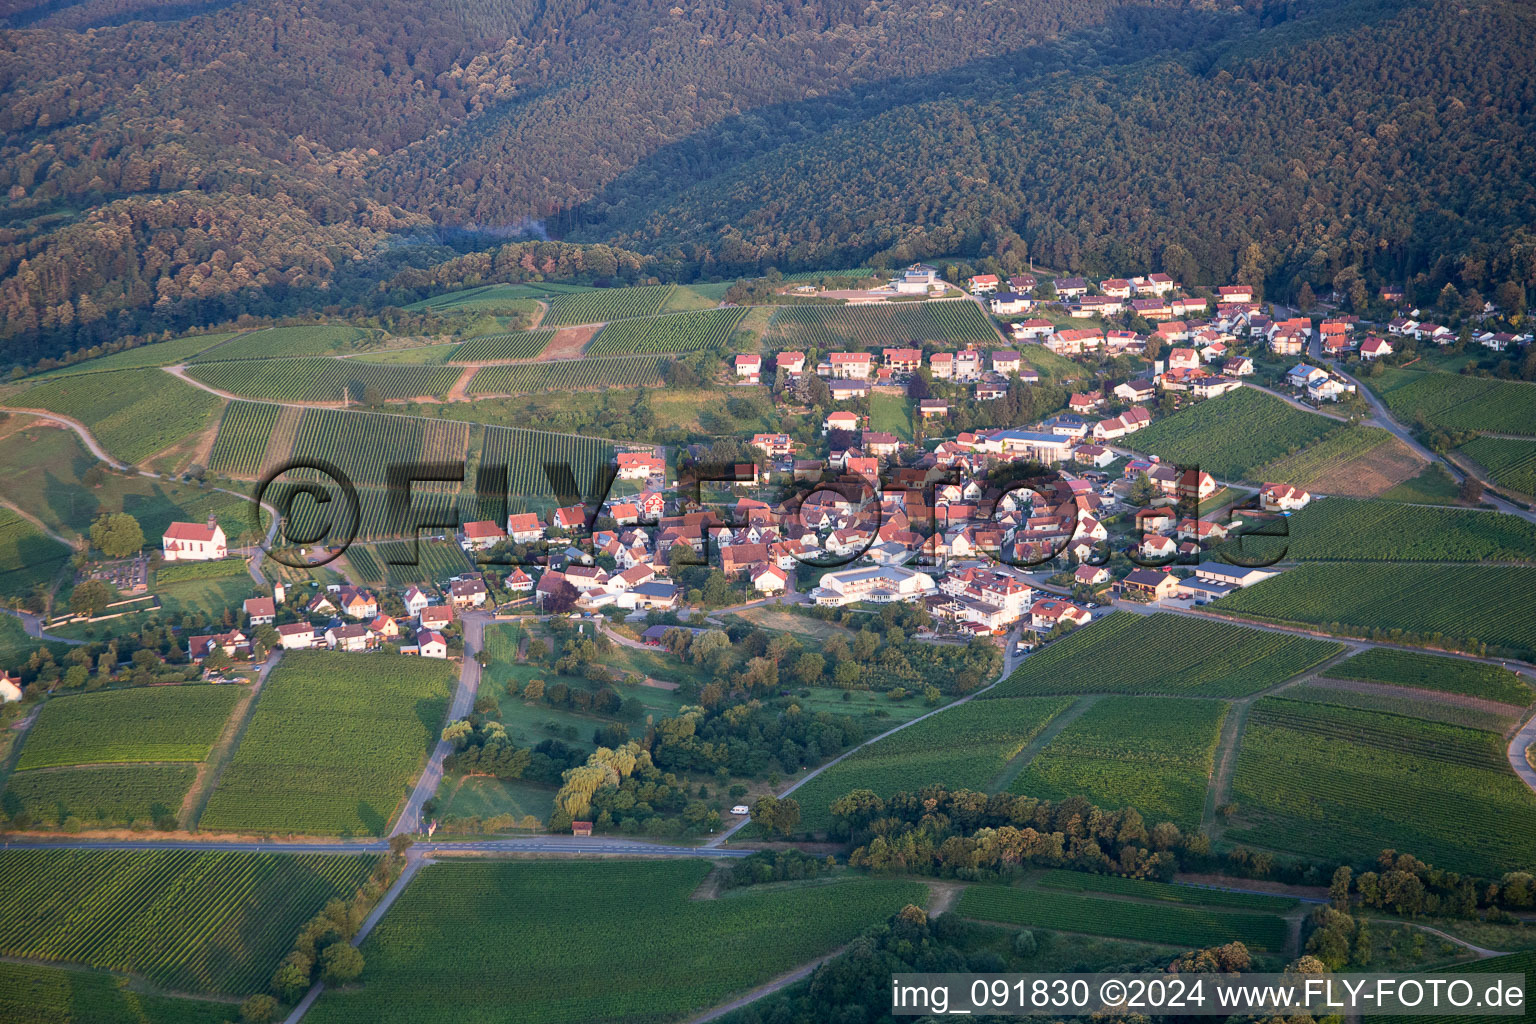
(826,328)
(132,413)
(568,375)
(890,414)
(517,345)
(243,435)
(601,305)
(1335,528)
(162,353)
(27,555)
(1122,919)
(16,646)
(188,921)
(1461,603)
(1165,654)
(1433,486)
(284,342)
(153,723)
(126,794)
(963,747)
(1144,889)
(1459,402)
(1432,672)
(1343,784)
(673,332)
(1151,753)
(487,797)
(333,745)
(1230,436)
(319,379)
(51,995)
(181,572)
(594,942)
(1509,463)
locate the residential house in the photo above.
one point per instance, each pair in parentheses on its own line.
(1235,293)
(1139,390)
(906,360)
(1374,348)
(1090,575)
(850,365)
(967,364)
(1052,611)
(261,611)
(1183,359)
(1071,287)
(10,687)
(928,408)
(1237,366)
(431,644)
(773,445)
(415,601)
(768,579)
(1151,584)
(1092,455)
(296,636)
(843,390)
(1033,330)
(437,616)
(481,535)
(524,528)
(518,582)
(749,367)
(841,420)
(1074,341)
(1022,283)
(789,362)
(385,627)
(1005,361)
(1010,304)
(233,643)
(1118,287)
(1282,498)
(356,637)
(983,284)
(639,466)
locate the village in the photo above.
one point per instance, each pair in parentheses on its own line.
(1021,531)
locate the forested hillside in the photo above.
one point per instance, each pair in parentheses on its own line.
(271,156)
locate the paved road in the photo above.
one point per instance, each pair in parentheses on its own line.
(79,428)
(473,624)
(1522,741)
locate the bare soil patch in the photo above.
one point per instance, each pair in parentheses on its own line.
(1375,472)
(568,343)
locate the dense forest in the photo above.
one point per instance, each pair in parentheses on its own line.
(165,164)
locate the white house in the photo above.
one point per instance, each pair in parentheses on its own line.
(482,535)
(194,542)
(1375,348)
(296,636)
(415,601)
(769,579)
(431,645)
(1282,498)
(10,687)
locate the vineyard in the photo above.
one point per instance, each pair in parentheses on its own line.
(1343,529)
(826,328)
(162,353)
(568,375)
(674,332)
(526,452)
(1510,463)
(133,413)
(27,555)
(1342,784)
(30,994)
(1466,605)
(1356,460)
(284,342)
(187,921)
(1403,701)
(1165,654)
(1144,889)
(138,794)
(180,572)
(152,723)
(333,745)
(602,305)
(1230,435)
(491,347)
(1150,753)
(323,380)
(365,444)
(587,939)
(436,562)
(1187,927)
(961,748)
(306,518)
(1431,672)
(1459,402)
(243,435)
(494,298)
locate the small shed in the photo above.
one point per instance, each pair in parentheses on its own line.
(581,828)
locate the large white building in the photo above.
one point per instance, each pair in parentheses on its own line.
(194,542)
(916,279)
(879,584)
